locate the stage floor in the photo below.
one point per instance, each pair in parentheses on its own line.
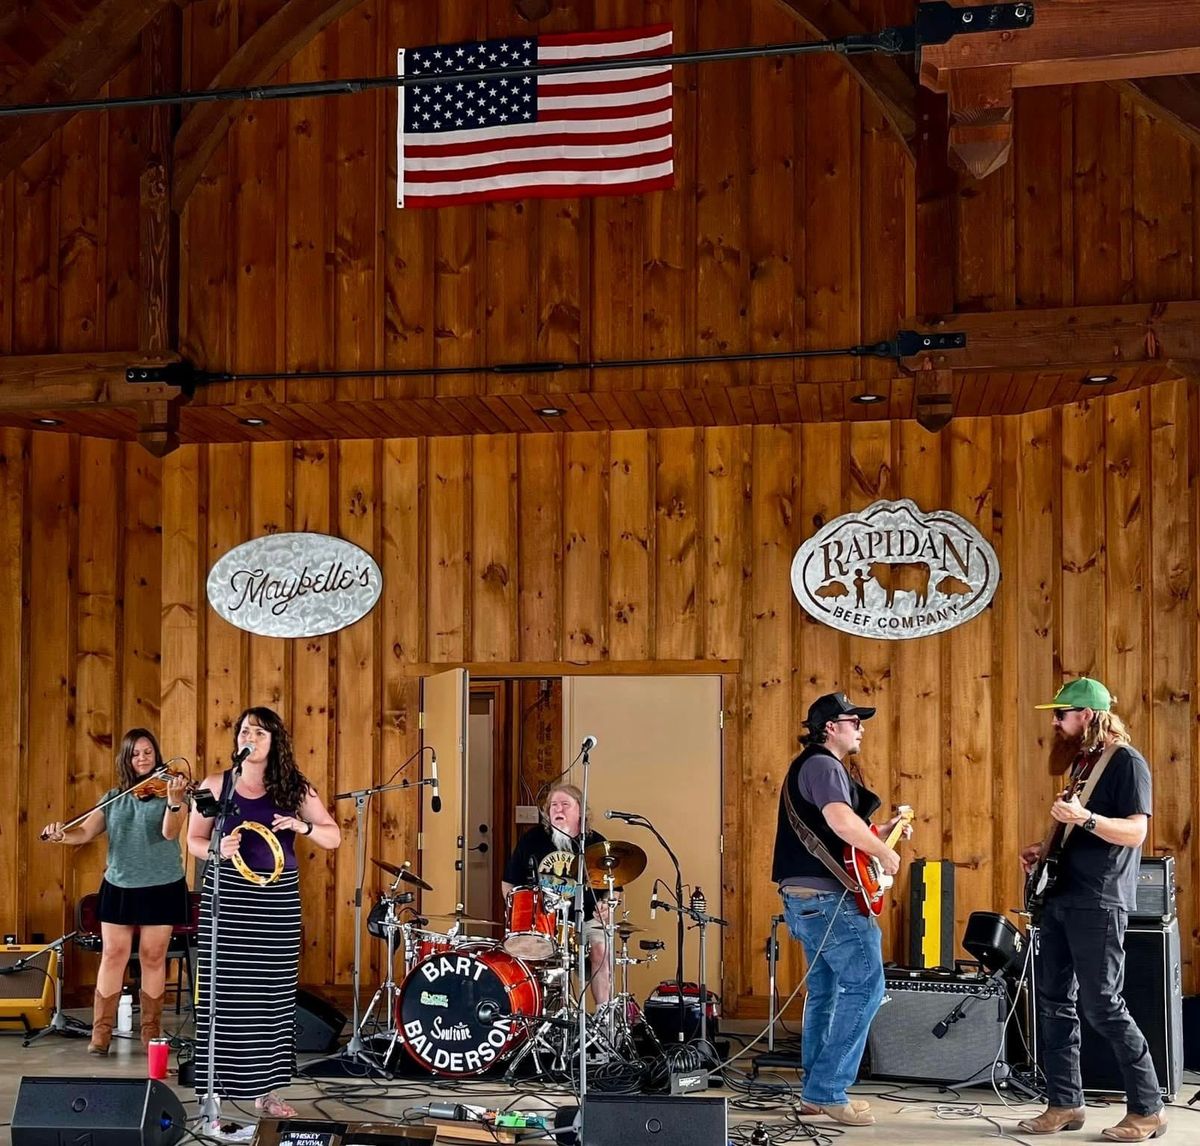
(905,1114)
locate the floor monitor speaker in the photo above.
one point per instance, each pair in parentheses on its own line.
(98,1111)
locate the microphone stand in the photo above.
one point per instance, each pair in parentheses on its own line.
(581,884)
(210,1107)
(354,1052)
(679,909)
(61,1023)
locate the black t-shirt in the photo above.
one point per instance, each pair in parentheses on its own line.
(1093,872)
(522,869)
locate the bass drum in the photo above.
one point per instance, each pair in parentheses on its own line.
(461,1012)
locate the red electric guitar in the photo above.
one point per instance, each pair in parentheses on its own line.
(867,872)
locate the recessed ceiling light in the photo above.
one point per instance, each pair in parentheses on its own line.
(253,421)
(47,421)
(867,398)
(1098,379)
(551,411)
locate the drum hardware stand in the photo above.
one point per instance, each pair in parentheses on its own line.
(349,1061)
(389,989)
(619,1005)
(581,874)
(61,1023)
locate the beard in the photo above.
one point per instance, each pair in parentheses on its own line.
(1064,751)
(562,841)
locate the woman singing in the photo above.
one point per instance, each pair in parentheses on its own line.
(258,927)
(143,887)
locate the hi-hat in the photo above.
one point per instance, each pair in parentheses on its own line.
(625,930)
(619,860)
(405,875)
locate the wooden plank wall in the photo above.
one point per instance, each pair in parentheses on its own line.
(630,549)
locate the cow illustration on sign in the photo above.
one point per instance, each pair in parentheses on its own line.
(912,572)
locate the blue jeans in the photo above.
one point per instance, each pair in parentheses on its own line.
(844,952)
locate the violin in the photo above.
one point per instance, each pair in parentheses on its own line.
(155,787)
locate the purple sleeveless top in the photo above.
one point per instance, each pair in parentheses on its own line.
(254,849)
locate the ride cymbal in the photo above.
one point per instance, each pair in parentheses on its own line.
(468,919)
(405,875)
(621,860)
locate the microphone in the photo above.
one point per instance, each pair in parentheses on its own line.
(653,905)
(628,817)
(13,968)
(435,804)
(939,1031)
(488,1011)
(241,754)
(589,742)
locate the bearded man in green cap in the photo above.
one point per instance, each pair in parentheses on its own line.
(1105,809)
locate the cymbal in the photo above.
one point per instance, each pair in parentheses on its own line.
(625,930)
(468,919)
(622,860)
(405,875)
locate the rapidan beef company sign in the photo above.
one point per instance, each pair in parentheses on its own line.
(893,571)
(294,585)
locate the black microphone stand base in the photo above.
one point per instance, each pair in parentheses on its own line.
(345,1064)
(61,1024)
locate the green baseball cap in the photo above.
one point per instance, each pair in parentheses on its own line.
(1081,693)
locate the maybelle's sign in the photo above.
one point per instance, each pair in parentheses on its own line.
(294,585)
(893,571)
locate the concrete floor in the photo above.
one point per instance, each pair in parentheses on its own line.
(905,1114)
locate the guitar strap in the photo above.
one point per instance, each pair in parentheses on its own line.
(1089,785)
(813,843)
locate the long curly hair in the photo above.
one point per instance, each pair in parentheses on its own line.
(285,783)
(126,776)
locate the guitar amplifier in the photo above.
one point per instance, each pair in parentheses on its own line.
(1155,901)
(944,1027)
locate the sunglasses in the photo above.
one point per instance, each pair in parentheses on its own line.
(854,720)
(1059,713)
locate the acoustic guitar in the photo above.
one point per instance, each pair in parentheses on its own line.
(871,881)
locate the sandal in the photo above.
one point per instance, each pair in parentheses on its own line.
(274,1107)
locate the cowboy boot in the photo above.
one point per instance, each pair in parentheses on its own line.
(152,1008)
(1053,1119)
(1137,1127)
(104,1014)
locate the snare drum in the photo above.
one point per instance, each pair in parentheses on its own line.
(530,924)
(464,1010)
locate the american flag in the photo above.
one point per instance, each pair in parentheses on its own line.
(583,133)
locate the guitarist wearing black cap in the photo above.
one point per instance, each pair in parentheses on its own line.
(824,806)
(1081,885)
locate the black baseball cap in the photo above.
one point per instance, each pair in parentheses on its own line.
(831,706)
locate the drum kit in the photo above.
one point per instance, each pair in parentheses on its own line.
(461,1003)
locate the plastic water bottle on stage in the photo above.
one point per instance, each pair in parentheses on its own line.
(125,1012)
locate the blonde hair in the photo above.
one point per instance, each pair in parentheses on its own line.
(1105,726)
(570,790)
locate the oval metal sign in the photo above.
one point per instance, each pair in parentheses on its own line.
(294,585)
(894,572)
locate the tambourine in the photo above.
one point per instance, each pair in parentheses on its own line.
(272,841)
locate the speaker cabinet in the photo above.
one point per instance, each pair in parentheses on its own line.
(27,996)
(318,1024)
(1154,996)
(969,1012)
(642,1120)
(98,1111)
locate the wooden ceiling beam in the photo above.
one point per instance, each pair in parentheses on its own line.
(77,68)
(255,62)
(59,382)
(1149,43)
(1092,338)
(886,81)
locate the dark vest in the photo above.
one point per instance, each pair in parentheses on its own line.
(792,859)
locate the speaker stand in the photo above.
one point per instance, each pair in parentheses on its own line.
(61,1024)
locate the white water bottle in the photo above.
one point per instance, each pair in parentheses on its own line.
(125,1012)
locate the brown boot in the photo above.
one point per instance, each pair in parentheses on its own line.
(104,1014)
(848,1116)
(857,1104)
(151,1018)
(1053,1119)
(1137,1127)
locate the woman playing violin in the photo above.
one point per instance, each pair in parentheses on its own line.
(258,933)
(143,888)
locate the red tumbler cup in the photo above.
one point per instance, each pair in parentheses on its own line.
(156,1058)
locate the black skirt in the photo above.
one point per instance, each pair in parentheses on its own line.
(165,903)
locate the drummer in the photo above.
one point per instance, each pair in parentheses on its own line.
(548,856)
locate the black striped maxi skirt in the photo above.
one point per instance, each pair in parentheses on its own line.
(258,965)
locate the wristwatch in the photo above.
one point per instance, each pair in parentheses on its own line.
(1089,825)
(174,807)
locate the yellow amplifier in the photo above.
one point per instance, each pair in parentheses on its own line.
(27,995)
